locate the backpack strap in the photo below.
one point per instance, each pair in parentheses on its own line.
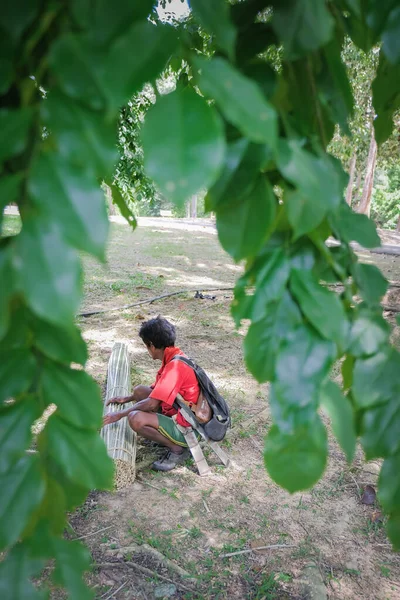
(188,361)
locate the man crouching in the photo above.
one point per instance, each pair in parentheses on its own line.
(154,416)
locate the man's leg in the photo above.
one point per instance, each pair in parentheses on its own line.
(146,424)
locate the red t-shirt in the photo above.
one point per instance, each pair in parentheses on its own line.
(175,377)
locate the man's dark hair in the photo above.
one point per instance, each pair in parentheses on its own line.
(159,332)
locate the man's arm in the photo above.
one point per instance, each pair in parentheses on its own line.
(146,405)
(140,392)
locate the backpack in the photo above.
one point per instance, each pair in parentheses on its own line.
(216,428)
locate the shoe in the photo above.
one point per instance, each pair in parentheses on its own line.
(170,460)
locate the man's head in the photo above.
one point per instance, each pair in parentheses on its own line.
(157,334)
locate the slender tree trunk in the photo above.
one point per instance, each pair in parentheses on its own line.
(111,206)
(398,225)
(349,192)
(188,209)
(193,207)
(365,204)
(358,187)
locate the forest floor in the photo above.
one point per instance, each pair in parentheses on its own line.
(193,521)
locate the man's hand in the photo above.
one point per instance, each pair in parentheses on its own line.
(116,400)
(111,418)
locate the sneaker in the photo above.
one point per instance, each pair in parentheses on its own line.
(170,460)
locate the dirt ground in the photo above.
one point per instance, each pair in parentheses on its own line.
(194,521)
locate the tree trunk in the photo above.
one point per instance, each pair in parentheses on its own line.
(365,204)
(111,206)
(357,192)
(398,225)
(193,207)
(349,192)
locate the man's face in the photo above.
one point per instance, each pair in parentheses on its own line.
(151,350)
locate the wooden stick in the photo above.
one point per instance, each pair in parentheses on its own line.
(120,588)
(206,505)
(145,570)
(151,300)
(146,549)
(82,537)
(272,547)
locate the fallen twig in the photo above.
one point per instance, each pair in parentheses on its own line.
(249,550)
(206,506)
(151,300)
(82,537)
(146,549)
(145,570)
(149,484)
(117,590)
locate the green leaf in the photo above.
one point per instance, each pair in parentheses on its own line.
(264,337)
(393,530)
(302,25)
(311,174)
(350,226)
(15,429)
(380,429)
(376,379)
(17,370)
(183,144)
(386,98)
(368,333)
(341,414)
(16,572)
(80,211)
(391,36)
(322,307)
(296,461)
(104,77)
(104,21)
(336,87)
(7,284)
(67,388)
(17,15)
(119,201)
(347,371)
(239,98)
(79,453)
(49,271)
(389,484)
(149,48)
(14,129)
(214,16)
(244,225)
(244,161)
(62,344)
(302,363)
(304,213)
(72,560)
(371,283)
(10,186)
(269,274)
(83,137)
(25,489)
(6,75)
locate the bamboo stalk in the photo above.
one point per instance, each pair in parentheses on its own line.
(119,438)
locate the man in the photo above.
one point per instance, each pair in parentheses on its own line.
(154,416)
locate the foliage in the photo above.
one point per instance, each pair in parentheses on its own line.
(137,189)
(252,130)
(385,208)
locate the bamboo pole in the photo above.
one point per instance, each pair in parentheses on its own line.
(119,438)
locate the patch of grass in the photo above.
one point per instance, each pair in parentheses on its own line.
(266,589)
(352,572)
(245,500)
(385,571)
(195,533)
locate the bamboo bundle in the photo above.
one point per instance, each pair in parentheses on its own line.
(119,438)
